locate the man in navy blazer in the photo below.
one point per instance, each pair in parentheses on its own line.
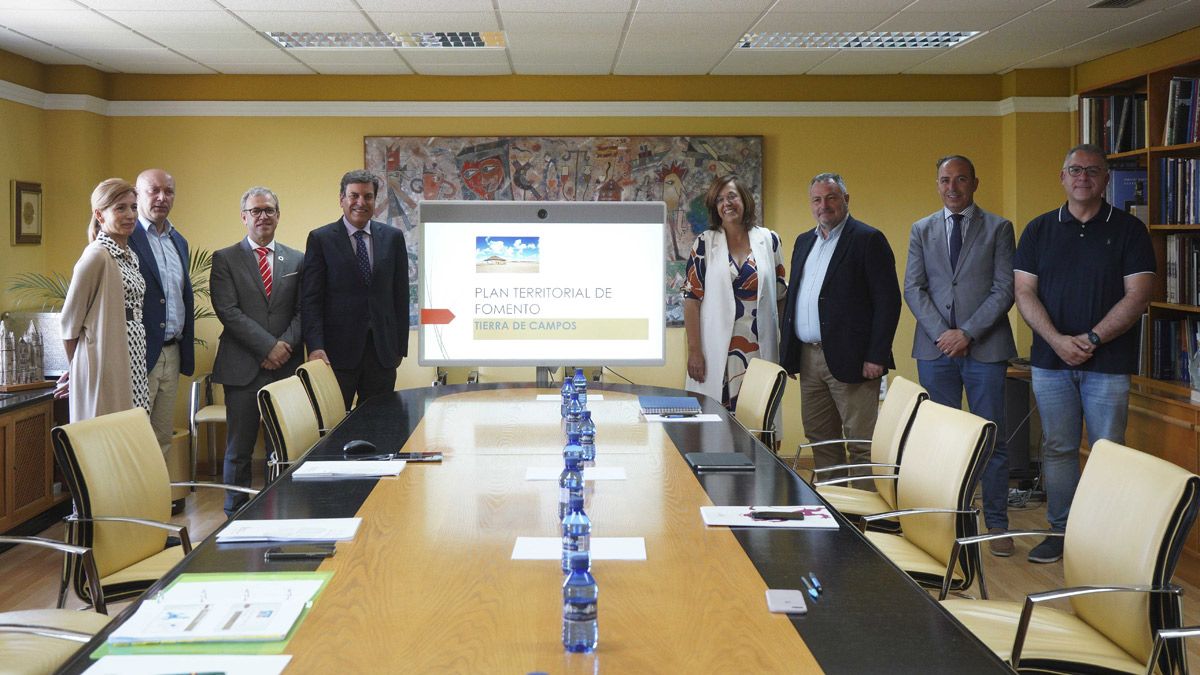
(959,286)
(839,324)
(354,290)
(167,308)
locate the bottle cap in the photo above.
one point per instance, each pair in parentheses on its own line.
(580,561)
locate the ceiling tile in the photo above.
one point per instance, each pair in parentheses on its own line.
(775,62)
(43,5)
(564,5)
(76,40)
(251,68)
(246,40)
(396,68)
(969,20)
(231,56)
(138,60)
(239,6)
(416,57)
(824,6)
(957,6)
(347,56)
(30,21)
(701,6)
(472,69)
(551,22)
(529,42)
(562,68)
(33,49)
(287,22)
(152,21)
(426,5)
(870,61)
(412,22)
(800,22)
(159,5)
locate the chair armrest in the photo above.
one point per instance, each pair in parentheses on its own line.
(841,467)
(473,377)
(85,553)
(1034,598)
(978,539)
(888,515)
(1162,635)
(45,631)
(851,479)
(836,440)
(223,486)
(179,530)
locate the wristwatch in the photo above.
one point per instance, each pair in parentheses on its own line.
(1093,338)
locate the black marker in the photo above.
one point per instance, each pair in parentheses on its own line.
(817,584)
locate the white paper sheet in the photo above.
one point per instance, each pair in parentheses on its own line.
(558,397)
(219,611)
(365,468)
(589,473)
(189,663)
(296,529)
(702,417)
(602,548)
(815,517)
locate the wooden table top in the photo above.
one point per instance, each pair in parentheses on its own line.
(428,584)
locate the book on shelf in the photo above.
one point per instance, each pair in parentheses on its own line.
(1179,191)
(1116,123)
(1182,268)
(1173,344)
(1126,187)
(1180,125)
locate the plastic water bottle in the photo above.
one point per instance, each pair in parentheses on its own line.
(587,438)
(579,607)
(567,391)
(574,414)
(570,481)
(576,533)
(580,382)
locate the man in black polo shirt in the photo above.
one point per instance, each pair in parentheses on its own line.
(1084,273)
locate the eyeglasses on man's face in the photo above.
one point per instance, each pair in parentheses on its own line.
(1091,171)
(264,211)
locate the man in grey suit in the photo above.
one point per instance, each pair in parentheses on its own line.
(959,286)
(255,288)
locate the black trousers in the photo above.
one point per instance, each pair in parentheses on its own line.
(369,379)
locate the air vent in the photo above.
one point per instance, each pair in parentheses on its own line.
(1114,4)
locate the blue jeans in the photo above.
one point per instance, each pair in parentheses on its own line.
(1065,399)
(945,378)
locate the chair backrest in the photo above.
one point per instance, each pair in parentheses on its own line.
(289,418)
(323,391)
(1129,518)
(114,467)
(943,459)
(892,427)
(762,390)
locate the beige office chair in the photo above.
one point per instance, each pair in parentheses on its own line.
(759,398)
(1129,519)
(122,501)
(896,416)
(945,454)
(290,421)
(323,392)
(40,641)
(207,408)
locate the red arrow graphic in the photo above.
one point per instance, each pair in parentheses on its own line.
(435,316)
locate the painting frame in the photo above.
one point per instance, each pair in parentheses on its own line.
(26,212)
(675,169)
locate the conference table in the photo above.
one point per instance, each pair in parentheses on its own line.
(429,584)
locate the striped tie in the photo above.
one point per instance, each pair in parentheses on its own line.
(264,267)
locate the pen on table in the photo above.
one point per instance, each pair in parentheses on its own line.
(816,583)
(672,416)
(812,592)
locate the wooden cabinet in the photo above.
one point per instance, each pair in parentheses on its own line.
(26,490)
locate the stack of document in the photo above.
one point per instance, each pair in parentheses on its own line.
(801,517)
(669,405)
(296,529)
(199,608)
(350,468)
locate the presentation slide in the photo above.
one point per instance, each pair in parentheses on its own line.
(541,283)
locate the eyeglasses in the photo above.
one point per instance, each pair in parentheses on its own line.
(265,211)
(1091,171)
(729,198)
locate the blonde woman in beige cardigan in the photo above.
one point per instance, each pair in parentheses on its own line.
(102,317)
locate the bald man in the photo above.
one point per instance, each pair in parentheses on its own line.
(167,308)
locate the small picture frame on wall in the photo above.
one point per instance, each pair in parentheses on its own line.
(27,212)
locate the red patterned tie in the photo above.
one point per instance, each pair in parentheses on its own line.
(264,267)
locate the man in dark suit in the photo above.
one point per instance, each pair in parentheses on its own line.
(256,294)
(959,286)
(355,293)
(167,308)
(840,320)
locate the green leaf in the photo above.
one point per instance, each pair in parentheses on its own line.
(48,290)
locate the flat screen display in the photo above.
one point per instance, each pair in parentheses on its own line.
(541,283)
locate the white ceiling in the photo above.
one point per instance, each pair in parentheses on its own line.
(575,37)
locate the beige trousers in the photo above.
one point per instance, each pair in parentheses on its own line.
(164,385)
(832,409)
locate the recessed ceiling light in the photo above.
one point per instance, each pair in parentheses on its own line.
(857,40)
(449,39)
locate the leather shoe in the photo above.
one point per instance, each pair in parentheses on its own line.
(1001,548)
(1049,551)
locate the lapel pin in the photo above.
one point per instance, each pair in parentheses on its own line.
(280,258)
